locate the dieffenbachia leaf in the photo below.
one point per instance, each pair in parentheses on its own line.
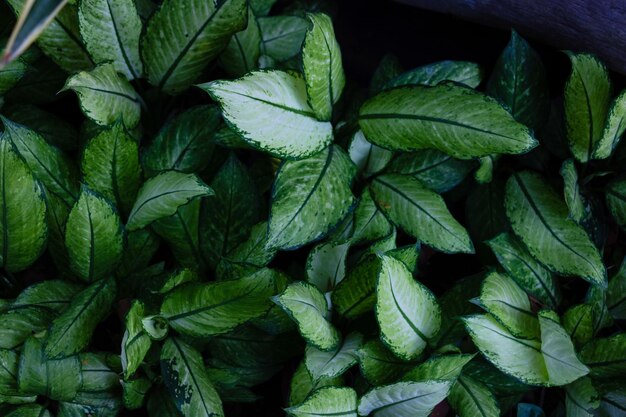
(106,96)
(571,191)
(308,307)
(462,72)
(323,69)
(616,201)
(456,120)
(368,158)
(527,272)
(379,365)
(57,379)
(587,94)
(214,308)
(97,403)
(23,225)
(439,367)
(508,304)
(326,265)
(241,55)
(541,220)
(141,245)
(111,30)
(10,75)
(9,390)
(369,222)
(404,399)
(282,36)
(182,37)
(269,110)
(72,330)
(47,163)
(616,293)
(407,312)
(484,209)
(136,342)
(162,195)
(327,401)
(309,198)
(606,357)
(99,371)
(519,81)
(356,294)
(471,398)
(185,377)
(94,237)
(452,330)
(254,251)
(420,212)
(110,166)
(581,398)
(387,69)
(578,321)
(30,410)
(332,363)
(135,392)
(613,129)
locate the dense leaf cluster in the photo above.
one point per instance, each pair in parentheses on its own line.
(180,246)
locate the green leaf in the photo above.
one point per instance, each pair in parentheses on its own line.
(254,251)
(606,357)
(56,379)
(379,365)
(100,404)
(462,72)
(453,119)
(48,164)
(527,272)
(356,294)
(241,55)
(9,390)
(540,219)
(110,166)
(111,33)
(106,96)
(470,398)
(162,195)
(327,401)
(501,297)
(368,158)
(326,265)
(333,363)
(407,312)
(309,309)
(268,109)
(141,246)
(309,198)
(214,308)
(369,222)
(135,392)
(30,410)
(404,399)
(420,212)
(387,69)
(581,398)
(322,66)
(613,129)
(571,191)
(11,74)
(72,330)
(587,94)
(182,37)
(282,36)
(187,381)
(22,212)
(578,322)
(98,373)
(519,81)
(136,342)
(302,385)
(616,201)
(484,210)
(616,293)
(442,367)
(160,404)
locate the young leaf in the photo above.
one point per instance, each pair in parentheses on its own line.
(23,225)
(440,367)
(326,265)
(453,119)
(182,37)
(321,62)
(72,330)
(136,342)
(308,307)
(333,363)
(356,294)
(578,322)
(162,195)
(282,36)
(9,390)
(587,94)
(309,198)
(268,109)
(606,358)
(420,212)
(368,158)
(369,222)
(241,55)
(581,398)
(616,293)
(110,30)
(11,74)
(571,191)
(613,129)
(327,401)
(616,201)
(404,399)
(94,237)
(106,96)
(471,398)
(462,72)
(213,308)
(187,381)
(407,312)
(540,218)
(379,365)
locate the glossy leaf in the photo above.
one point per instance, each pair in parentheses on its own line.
(333,363)
(471,398)
(404,399)
(282,35)
(369,222)
(605,357)
(379,365)
(136,342)
(462,72)
(368,158)
(326,265)
(328,401)
(613,129)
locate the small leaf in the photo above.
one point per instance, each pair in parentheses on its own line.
(379,365)
(471,398)
(302,384)
(282,36)
(136,342)
(578,322)
(441,367)
(616,294)
(368,158)
(613,129)
(404,399)
(11,74)
(616,201)
(333,363)
(571,191)
(327,401)
(326,265)
(462,72)
(268,109)
(606,357)
(9,391)
(369,222)
(241,55)
(581,398)
(356,294)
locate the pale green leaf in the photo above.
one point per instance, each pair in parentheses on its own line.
(471,398)
(484,173)
(333,363)
(404,399)
(327,401)
(241,55)
(613,129)
(462,72)
(441,367)
(369,222)
(326,265)
(571,191)
(135,343)
(302,385)
(368,158)
(282,36)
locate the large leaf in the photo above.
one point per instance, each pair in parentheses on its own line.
(587,94)
(322,66)
(214,308)
(407,312)
(309,198)
(540,218)
(333,363)
(269,110)
(110,30)
(452,119)
(613,129)
(471,398)
(182,37)
(420,212)
(282,36)
(22,212)
(404,399)
(106,96)
(72,330)
(187,381)
(94,237)
(439,367)
(462,72)
(327,401)
(162,195)
(241,55)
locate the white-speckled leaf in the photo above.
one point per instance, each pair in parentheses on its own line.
(613,129)
(327,401)
(333,363)
(404,399)
(462,72)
